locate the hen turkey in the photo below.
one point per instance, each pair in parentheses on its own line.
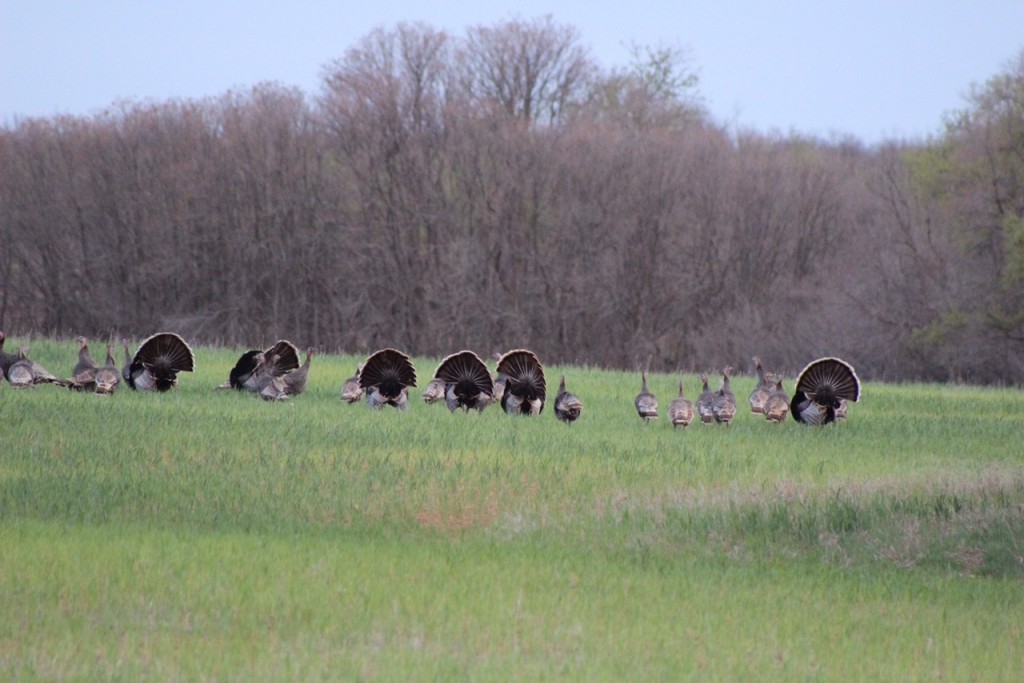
(760,393)
(568,405)
(156,364)
(681,411)
(107,378)
(525,388)
(386,377)
(820,390)
(705,401)
(723,404)
(646,403)
(83,375)
(776,406)
(351,392)
(20,373)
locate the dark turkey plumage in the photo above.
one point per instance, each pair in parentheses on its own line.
(158,361)
(820,390)
(256,369)
(525,387)
(386,377)
(467,382)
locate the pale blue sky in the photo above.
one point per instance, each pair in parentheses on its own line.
(872,69)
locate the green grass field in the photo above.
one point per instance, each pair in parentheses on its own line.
(203,535)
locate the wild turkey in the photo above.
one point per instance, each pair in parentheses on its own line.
(108,378)
(20,373)
(777,404)
(499,381)
(291,384)
(646,403)
(158,361)
(256,369)
(760,393)
(386,377)
(6,359)
(568,405)
(40,375)
(434,391)
(723,405)
(681,411)
(466,380)
(83,375)
(705,401)
(351,392)
(820,390)
(525,388)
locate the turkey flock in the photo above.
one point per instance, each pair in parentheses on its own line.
(823,389)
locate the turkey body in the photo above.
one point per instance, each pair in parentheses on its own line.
(776,406)
(156,364)
(568,406)
(290,384)
(466,380)
(760,393)
(821,388)
(705,401)
(256,369)
(723,404)
(681,411)
(645,402)
(386,378)
(525,387)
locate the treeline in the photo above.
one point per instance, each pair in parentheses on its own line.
(499,189)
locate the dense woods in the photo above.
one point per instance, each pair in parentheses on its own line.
(500,189)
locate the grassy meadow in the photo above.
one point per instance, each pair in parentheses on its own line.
(209,535)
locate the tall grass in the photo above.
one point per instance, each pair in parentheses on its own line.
(206,534)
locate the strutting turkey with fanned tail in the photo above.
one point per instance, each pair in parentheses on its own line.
(646,403)
(256,369)
(467,382)
(386,377)
(525,387)
(821,389)
(568,406)
(156,364)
